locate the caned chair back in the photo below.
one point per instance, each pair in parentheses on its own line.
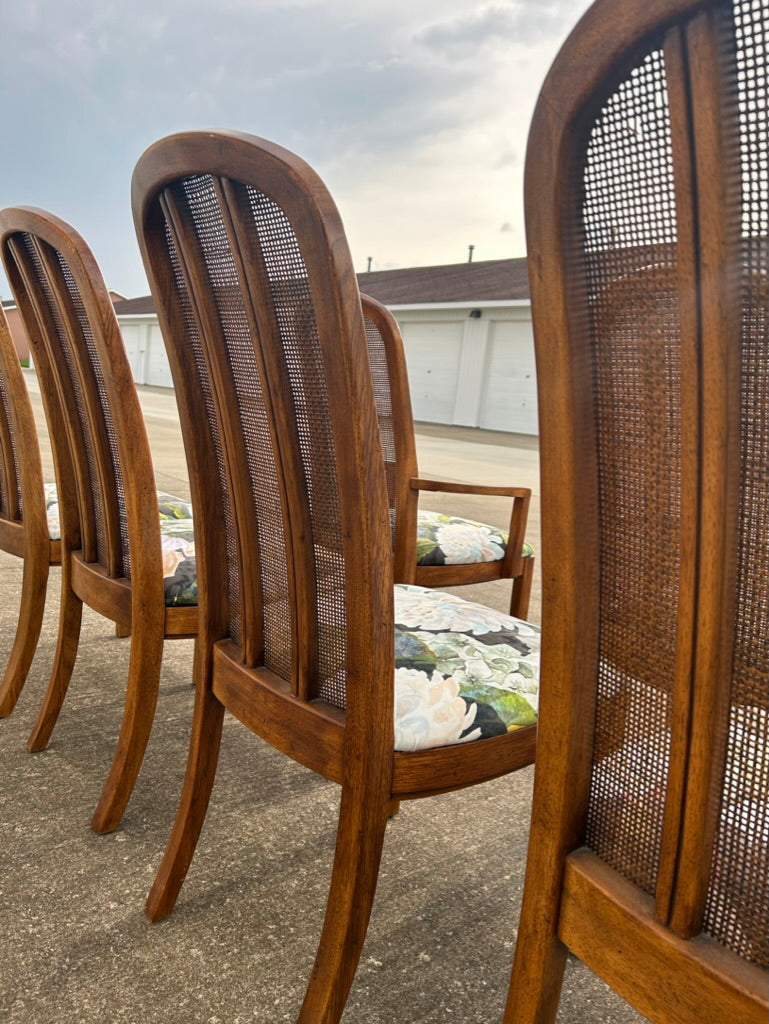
(78,350)
(108,506)
(647,198)
(389,375)
(261,312)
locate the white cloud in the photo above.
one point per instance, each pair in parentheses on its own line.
(416,115)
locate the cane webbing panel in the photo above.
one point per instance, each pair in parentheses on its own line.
(192,337)
(10,490)
(737,912)
(290,290)
(629,225)
(98,372)
(384,411)
(91,503)
(292,329)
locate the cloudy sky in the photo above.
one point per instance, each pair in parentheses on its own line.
(414,112)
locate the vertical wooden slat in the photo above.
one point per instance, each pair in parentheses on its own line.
(41,327)
(200,444)
(9,489)
(95,425)
(211,334)
(279,405)
(686,268)
(716,164)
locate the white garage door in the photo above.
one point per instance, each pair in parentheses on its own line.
(510,393)
(432,355)
(133,335)
(158,370)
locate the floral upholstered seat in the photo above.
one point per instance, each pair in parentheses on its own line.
(462,671)
(176,537)
(451,540)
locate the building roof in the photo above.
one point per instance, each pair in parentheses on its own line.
(492,280)
(488,280)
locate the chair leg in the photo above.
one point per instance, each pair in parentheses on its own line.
(521,595)
(198,783)
(31,609)
(360,836)
(139,713)
(535,986)
(70,618)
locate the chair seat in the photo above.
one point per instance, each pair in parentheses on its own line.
(462,671)
(180,576)
(451,540)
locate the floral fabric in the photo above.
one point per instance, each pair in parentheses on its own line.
(52,511)
(450,540)
(462,671)
(176,538)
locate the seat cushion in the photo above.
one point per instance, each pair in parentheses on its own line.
(176,537)
(463,672)
(52,511)
(451,540)
(180,576)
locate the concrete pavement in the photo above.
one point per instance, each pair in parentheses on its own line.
(74,944)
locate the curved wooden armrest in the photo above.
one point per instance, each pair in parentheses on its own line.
(452,487)
(512,563)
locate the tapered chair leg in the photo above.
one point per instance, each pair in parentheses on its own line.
(198,783)
(360,837)
(70,618)
(31,609)
(141,698)
(535,988)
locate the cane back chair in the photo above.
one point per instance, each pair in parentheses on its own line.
(431,549)
(647,204)
(23,522)
(110,521)
(301,636)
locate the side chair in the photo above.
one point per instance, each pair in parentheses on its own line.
(429,548)
(392,693)
(119,538)
(24,529)
(647,211)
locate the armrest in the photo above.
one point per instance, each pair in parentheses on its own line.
(512,562)
(452,487)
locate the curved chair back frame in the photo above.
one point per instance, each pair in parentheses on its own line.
(111,551)
(261,313)
(23,524)
(646,200)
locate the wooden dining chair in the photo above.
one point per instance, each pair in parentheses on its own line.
(430,548)
(113,554)
(647,206)
(24,529)
(392,693)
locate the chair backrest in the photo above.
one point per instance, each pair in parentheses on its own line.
(22,501)
(84,371)
(261,313)
(647,217)
(389,374)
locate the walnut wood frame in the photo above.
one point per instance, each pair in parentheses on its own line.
(23,523)
(353,747)
(404,483)
(649,948)
(36,247)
